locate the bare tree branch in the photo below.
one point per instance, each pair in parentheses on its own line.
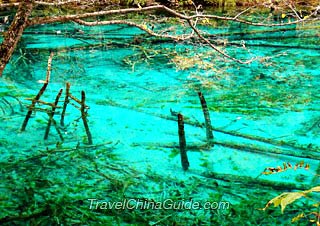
(77,18)
(294,11)
(12,36)
(242,12)
(216,48)
(10,41)
(65,18)
(58,3)
(4,5)
(235,19)
(43,20)
(142,27)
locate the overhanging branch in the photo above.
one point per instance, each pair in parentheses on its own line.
(58,3)
(197,31)
(142,27)
(44,20)
(12,36)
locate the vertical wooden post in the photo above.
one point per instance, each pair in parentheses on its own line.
(182,143)
(66,102)
(51,114)
(35,100)
(206,118)
(84,116)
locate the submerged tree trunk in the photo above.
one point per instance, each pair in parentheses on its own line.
(12,36)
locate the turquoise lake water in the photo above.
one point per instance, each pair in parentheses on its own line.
(263,115)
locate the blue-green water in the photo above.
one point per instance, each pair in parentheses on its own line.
(263,114)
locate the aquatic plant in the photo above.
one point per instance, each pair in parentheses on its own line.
(311,210)
(286,166)
(312,213)
(55,185)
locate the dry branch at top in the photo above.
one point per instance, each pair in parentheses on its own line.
(23,20)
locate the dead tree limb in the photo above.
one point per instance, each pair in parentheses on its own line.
(58,3)
(22,20)
(140,26)
(13,35)
(43,20)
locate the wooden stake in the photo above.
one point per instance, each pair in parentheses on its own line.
(182,143)
(206,118)
(35,100)
(66,102)
(51,114)
(84,117)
